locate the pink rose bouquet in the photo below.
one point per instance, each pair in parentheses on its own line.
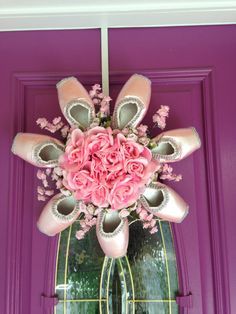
(107,169)
(103,167)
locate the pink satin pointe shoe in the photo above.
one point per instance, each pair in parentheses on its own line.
(59,213)
(132,102)
(112,233)
(176,144)
(39,150)
(164,202)
(75,102)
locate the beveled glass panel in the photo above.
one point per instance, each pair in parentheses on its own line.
(82,307)
(152,308)
(144,281)
(171,258)
(80,264)
(153,263)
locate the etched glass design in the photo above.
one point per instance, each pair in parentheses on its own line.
(143,282)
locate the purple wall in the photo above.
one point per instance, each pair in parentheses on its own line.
(193,71)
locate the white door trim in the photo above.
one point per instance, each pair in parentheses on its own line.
(168,13)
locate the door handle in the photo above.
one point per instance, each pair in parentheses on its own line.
(185,300)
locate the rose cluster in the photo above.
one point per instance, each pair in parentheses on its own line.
(103,167)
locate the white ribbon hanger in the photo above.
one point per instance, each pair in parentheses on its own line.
(105,60)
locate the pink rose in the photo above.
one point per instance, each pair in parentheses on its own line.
(98,170)
(112,158)
(114,177)
(79,180)
(84,195)
(81,183)
(105,168)
(136,167)
(130,148)
(99,139)
(100,195)
(124,193)
(73,160)
(76,154)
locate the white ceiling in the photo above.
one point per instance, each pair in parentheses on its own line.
(66,14)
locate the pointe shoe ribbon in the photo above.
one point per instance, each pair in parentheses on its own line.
(75,102)
(58,214)
(163,202)
(175,145)
(39,150)
(132,102)
(112,233)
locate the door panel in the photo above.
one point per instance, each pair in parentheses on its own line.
(193,71)
(211,51)
(31,64)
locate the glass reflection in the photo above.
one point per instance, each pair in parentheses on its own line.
(145,281)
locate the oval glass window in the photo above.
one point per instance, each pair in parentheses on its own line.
(143,282)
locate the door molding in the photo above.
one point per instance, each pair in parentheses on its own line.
(204,77)
(83,15)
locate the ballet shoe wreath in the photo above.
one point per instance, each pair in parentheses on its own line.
(107,170)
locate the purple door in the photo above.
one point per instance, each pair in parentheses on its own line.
(193,71)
